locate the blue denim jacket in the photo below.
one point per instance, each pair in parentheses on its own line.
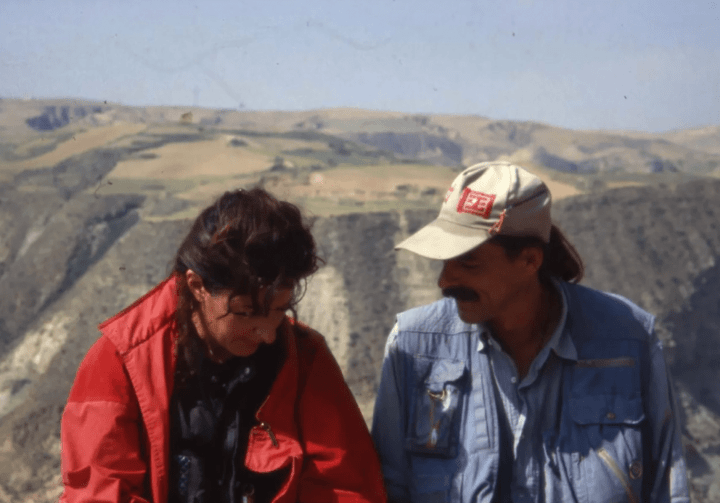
(616,437)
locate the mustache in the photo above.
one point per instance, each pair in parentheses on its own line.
(460,293)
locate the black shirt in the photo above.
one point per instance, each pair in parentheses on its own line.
(212,414)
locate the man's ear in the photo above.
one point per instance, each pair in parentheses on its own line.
(195,283)
(532,257)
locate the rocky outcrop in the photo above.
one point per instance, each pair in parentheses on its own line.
(361,281)
(54,117)
(58,248)
(71,259)
(542,157)
(417,145)
(54,229)
(36,372)
(661,248)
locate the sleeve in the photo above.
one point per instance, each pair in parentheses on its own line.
(669,474)
(340,463)
(388,424)
(101,440)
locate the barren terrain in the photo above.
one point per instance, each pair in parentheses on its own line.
(95,197)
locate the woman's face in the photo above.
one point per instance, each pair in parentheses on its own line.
(227,323)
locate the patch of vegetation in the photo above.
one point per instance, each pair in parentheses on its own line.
(190,213)
(340,151)
(34,148)
(238,142)
(600,181)
(324,207)
(153,186)
(330,158)
(704,168)
(142,186)
(290,135)
(147,141)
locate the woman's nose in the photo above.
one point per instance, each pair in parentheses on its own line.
(266,334)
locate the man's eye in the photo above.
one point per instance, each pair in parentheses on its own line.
(242,314)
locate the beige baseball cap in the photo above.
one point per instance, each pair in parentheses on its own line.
(484,200)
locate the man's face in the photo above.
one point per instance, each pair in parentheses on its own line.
(485,283)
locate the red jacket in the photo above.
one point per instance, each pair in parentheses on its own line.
(116,425)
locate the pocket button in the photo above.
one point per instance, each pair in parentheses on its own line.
(636,470)
(610,415)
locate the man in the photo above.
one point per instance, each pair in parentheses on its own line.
(521,385)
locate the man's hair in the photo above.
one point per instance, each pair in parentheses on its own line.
(560,258)
(244,242)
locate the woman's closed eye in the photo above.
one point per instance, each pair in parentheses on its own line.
(243,312)
(248,312)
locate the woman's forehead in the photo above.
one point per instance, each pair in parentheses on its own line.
(281,297)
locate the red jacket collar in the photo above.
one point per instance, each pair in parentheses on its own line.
(143,318)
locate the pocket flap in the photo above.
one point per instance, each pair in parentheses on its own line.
(434,426)
(606,409)
(442,372)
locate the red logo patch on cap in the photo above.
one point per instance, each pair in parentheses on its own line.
(476,203)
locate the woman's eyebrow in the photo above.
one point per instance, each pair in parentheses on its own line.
(242,307)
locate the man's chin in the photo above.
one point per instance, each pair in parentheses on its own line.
(467,313)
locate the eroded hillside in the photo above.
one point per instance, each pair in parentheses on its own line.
(89,230)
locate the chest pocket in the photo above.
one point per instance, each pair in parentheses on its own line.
(607,410)
(433,428)
(606,392)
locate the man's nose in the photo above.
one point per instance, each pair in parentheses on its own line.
(448,275)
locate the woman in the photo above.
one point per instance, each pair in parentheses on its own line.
(205,391)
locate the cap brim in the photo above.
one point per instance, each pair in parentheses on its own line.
(443,240)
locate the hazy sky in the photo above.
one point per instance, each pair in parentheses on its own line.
(636,64)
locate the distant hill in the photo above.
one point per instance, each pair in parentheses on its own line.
(444,139)
(95,197)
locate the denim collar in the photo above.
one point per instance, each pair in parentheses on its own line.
(560,342)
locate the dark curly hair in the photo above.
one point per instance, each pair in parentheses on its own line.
(246,241)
